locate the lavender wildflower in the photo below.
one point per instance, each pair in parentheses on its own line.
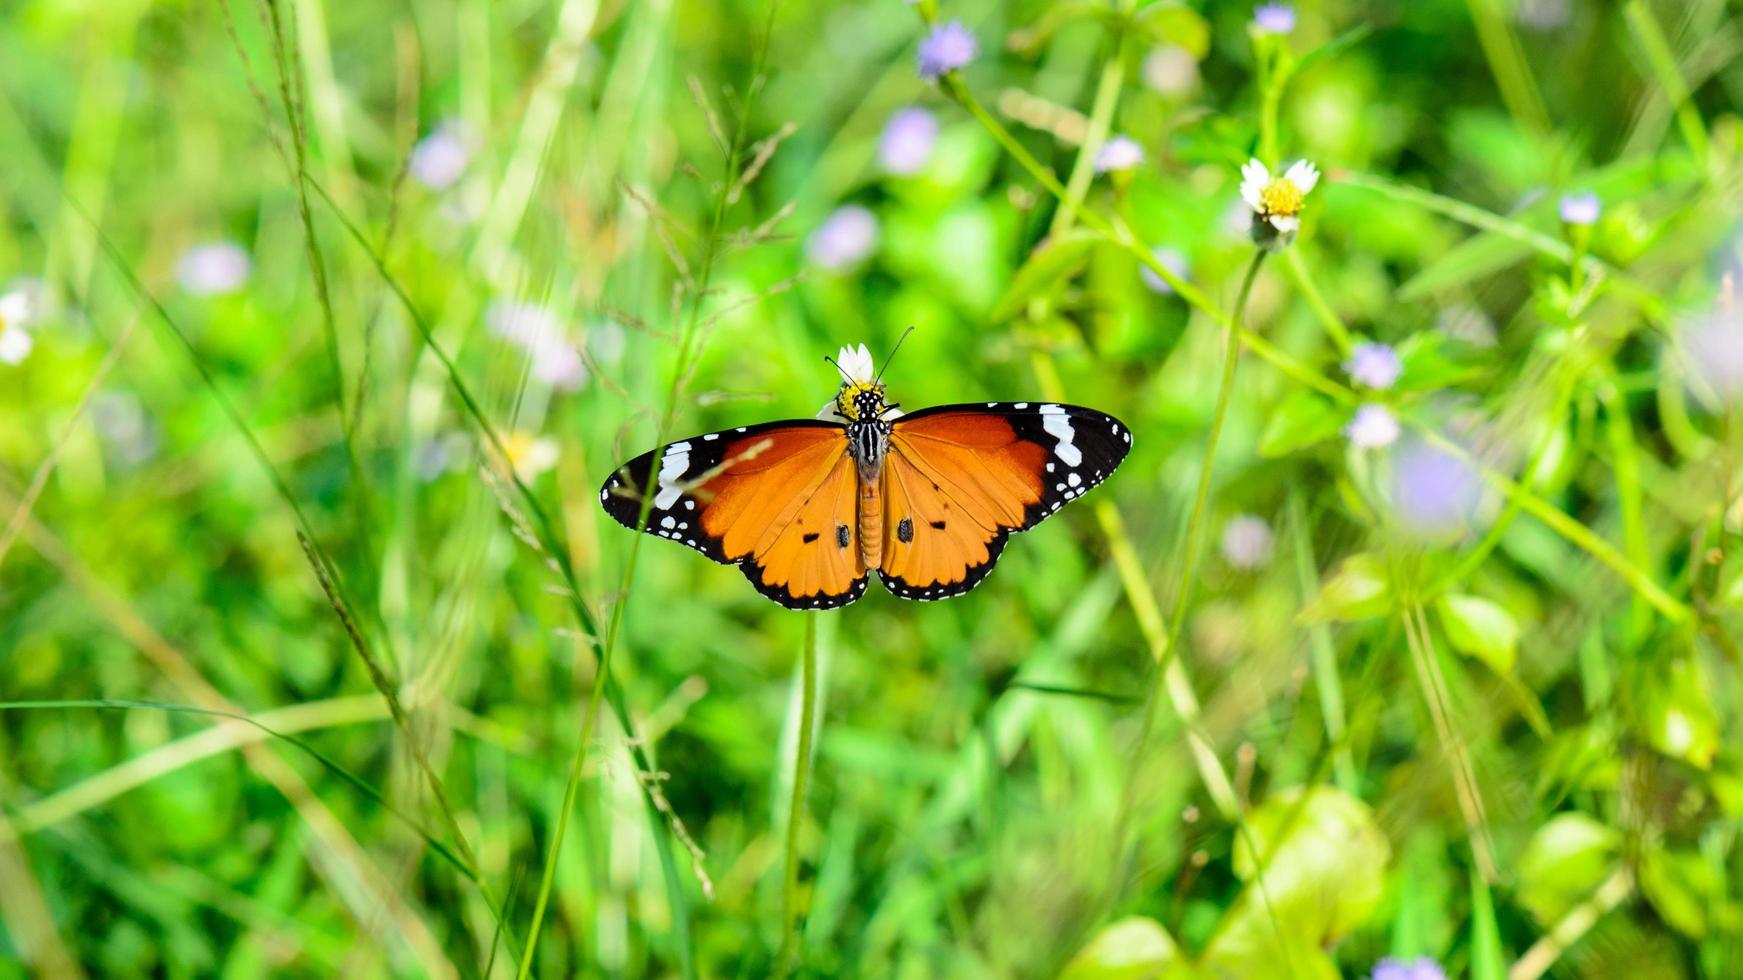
(950,46)
(1374,365)
(907,141)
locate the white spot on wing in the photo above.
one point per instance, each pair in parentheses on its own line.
(1058,425)
(672,466)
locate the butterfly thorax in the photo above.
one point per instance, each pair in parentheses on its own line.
(868,426)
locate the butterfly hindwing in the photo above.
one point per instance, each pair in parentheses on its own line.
(754,496)
(960,478)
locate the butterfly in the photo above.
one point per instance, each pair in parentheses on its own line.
(808,508)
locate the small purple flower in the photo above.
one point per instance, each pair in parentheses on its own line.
(907,141)
(1420,968)
(1715,354)
(1433,491)
(1247,542)
(1581,208)
(950,46)
(1171,70)
(214,268)
(1172,260)
(441,158)
(844,239)
(1118,153)
(1374,365)
(127,432)
(1373,427)
(1274,18)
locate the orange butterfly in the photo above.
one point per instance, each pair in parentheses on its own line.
(806,507)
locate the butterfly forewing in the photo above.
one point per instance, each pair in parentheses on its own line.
(960,478)
(771,498)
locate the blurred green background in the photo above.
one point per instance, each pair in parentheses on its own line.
(1456,691)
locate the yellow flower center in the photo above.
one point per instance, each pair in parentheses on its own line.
(518,447)
(1281,197)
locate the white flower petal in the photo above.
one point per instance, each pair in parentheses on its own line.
(1304,175)
(1285,223)
(1254,179)
(14,345)
(17,308)
(856,363)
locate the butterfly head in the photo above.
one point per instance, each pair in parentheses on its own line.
(861,395)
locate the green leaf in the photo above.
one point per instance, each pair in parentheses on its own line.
(1487,963)
(1358,590)
(1055,261)
(1479,628)
(1324,861)
(1322,865)
(1427,366)
(1564,862)
(1476,258)
(1303,419)
(1176,24)
(1680,720)
(1135,948)
(1681,886)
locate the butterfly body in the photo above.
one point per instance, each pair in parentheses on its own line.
(809,508)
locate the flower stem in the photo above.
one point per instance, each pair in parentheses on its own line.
(790,938)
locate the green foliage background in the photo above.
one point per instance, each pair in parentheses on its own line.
(1509,745)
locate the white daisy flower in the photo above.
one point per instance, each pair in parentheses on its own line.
(1277,201)
(17,310)
(856,363)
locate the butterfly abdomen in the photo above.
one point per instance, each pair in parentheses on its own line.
(871,521)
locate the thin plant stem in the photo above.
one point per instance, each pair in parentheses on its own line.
(790,927)
(551,545)
(1107,96)
(1434,692)
(1571,927)
(1188,566)
(1325,669)
(681,370)
(1322,311)
(1507,61)
(1649,302)
(1643,27)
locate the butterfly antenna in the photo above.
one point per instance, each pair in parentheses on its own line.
(838,370)
(892,356)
